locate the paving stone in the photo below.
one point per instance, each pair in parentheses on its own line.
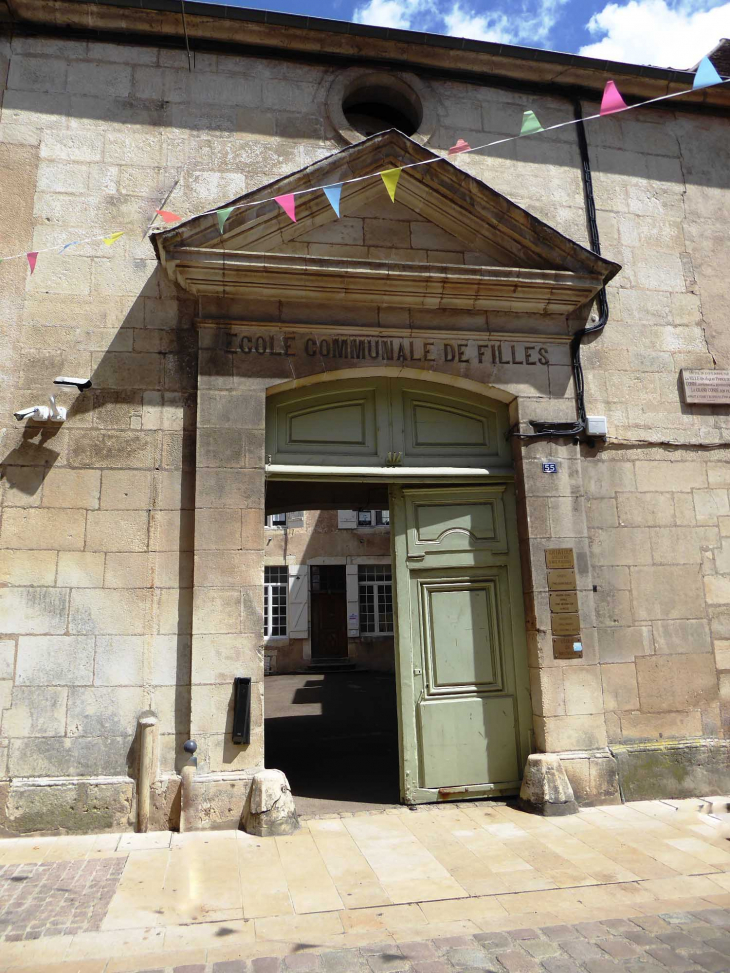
(540,948)
(619,926)
(642,938)
(338,961)
(525,933)
(432,966)
(517,962)
(418,951)
(230,966)
(190,968)
(592,930)
(722,944)
(454,942)
(582,950)
(302,961)
(560,964)
(493,940)
(653,924)
(710,960)
(560,933)
(387,962)
(718,917)
(465,959)
(620,948)
(602,966)
(267,964)
(677,939)
(675,918)
(668,958)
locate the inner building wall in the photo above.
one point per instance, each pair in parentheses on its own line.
(156,479)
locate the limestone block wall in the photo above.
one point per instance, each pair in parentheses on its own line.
(105,519)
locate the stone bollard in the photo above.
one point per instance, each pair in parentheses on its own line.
(188,806)
(148,734)
(545,787)
(270,809)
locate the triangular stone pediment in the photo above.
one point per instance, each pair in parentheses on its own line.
(471,237)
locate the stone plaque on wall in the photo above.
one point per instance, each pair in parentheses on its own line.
(706,386)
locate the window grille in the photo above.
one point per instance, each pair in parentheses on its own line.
(376,599)
(276,520)
(275,589)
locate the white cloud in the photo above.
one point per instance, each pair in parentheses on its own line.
(674,34)
(530,23)
(401,14)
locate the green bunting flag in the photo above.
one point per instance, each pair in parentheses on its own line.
(390,177)
(223,215)
(530,123)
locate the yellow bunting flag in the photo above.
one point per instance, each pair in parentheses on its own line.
(390,177)
(113,238)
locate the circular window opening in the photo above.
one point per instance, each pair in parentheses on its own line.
(374,108)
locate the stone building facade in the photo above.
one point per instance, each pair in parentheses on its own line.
(230,366)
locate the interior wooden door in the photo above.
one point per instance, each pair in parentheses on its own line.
(329,612)
(462,674)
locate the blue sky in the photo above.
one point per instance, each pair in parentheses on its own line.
(668,33)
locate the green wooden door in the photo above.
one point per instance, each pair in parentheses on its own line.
(462,673)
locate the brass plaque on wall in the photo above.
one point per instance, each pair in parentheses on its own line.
(566,649)
(563,601)
(559,557)
(568,624)
(561,580)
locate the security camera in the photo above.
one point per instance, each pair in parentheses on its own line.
(80,383)
(40,412)
(43,413)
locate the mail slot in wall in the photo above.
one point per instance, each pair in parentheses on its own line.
(242,710)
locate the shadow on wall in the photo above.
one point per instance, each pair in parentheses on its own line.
(136,427)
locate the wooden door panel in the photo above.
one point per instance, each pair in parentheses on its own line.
(463,650)
(458,608)
(468,741)
(329,625)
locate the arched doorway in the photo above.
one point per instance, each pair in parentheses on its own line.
(437,457)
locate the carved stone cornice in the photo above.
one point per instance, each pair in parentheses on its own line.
(273,276)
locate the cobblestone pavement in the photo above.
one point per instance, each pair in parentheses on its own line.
(56,898)
(675,941)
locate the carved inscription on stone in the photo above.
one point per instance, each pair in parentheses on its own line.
(706,386)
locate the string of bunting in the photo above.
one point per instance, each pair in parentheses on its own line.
(612,102)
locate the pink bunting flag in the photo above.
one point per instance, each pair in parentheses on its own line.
(287,204)
(167,216)
(32,257)
(612,100)
(461,146)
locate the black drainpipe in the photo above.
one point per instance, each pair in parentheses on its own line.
(542,429)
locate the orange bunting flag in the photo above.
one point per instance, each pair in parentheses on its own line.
(167,216)
(612,100)
(461,146)
(287,204)
(32,257)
